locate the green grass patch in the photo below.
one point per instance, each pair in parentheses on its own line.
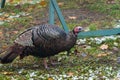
(110,9)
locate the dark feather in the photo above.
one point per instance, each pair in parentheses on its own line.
(11,53)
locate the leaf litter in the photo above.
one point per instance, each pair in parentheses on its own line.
(87,66)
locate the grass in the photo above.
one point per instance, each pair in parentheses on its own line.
(91,62)
(74,66)
(110,9)
(99,6)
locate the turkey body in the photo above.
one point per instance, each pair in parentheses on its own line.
(40,41)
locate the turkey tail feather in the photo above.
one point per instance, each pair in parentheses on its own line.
(11,54)
(7,57)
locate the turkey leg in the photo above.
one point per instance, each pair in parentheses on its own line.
(45,63)
(53,63)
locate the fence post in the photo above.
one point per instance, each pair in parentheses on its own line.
(51,13)
(61,18)
(2,3)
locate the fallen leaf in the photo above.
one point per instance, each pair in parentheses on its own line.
(72,17)
(15,16)
(70,74)
(61,3)
(10,19)
(50,78)
(15,32)
(12,13)
(4,47)
(30,16)
(1,33)
(2,18)
(30,9)
(7,73)
(103,54)
(43,3)
(10,1)
(104,47)
(6,15)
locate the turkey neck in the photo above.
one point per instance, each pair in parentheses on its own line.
(70,41)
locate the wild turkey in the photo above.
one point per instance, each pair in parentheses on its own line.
(41,41)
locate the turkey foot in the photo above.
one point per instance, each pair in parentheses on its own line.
(53,63)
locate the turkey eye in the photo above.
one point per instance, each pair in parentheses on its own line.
(79,28)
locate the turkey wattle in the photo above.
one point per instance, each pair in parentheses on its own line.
(41,41)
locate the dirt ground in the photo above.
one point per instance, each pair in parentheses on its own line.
(72,16)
